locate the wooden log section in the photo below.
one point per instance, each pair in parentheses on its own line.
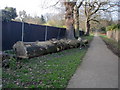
(34,49)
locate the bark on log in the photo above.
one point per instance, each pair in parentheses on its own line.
(33,49)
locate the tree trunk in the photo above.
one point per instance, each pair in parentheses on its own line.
(70,32)
(69,20)
(33,49)
(87,27)
(76,21)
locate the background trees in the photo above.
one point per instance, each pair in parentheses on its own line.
(79,14)
(30,19)
(8,13)
(91,10)
(56,20)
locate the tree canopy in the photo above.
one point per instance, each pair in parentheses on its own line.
(8,13)
(25,17)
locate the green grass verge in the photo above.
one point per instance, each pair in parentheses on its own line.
(112,44)
(89,38)
(52,70)
(0,73)
(48,71)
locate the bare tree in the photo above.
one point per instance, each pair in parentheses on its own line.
(93,7)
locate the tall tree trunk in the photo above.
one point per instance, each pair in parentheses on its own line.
(87,27)
(76,21)
(70,31)
(69,19)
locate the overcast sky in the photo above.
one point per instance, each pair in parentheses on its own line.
(32,7)
(35,7)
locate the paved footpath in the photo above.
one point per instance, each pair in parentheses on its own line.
(99,68)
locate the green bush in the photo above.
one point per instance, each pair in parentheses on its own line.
(113,27)
(103,30)
(117,27)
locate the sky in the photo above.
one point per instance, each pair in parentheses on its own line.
(32,7)
(35,7)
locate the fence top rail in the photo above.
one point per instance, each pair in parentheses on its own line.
(33,24)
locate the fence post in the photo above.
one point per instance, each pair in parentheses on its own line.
(22,31)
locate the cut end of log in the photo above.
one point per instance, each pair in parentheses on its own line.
(20,49)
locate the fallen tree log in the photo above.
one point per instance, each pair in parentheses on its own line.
(34,49)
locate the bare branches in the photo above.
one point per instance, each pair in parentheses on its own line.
(85,6)
(53,5)
(106,10)
(109,7)
(91,8)
(94,20)
(96,9)
(80,4)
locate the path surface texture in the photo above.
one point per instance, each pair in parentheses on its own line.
(99,68)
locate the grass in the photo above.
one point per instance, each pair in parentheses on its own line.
(48,71)
(89,38)
(112,44)
(0,74)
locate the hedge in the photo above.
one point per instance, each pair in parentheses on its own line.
(113,27)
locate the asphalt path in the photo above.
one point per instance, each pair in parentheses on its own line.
(99,68)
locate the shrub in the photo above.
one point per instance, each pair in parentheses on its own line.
(103,30)
(113,27)
(117,27)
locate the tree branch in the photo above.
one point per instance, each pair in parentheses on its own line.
(96,9)
(94,20)
(80,4)
(91,7)
(86,9)
(112,10)
(53,5)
